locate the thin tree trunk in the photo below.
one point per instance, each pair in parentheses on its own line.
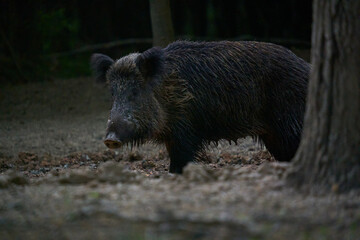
(329,153)
(162,27)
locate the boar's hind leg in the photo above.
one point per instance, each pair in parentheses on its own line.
(181,153)
(283,151)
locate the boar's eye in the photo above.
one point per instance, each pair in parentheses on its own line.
(132,95)
(134,92)
(112,91)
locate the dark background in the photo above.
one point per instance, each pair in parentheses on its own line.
(34,32)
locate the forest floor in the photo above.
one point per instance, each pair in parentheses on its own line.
(58,181)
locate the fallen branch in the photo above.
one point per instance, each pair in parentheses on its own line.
(94,47)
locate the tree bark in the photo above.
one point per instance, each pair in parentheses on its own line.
(162,27)
(328,157)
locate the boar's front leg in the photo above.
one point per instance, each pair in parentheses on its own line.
(180,153)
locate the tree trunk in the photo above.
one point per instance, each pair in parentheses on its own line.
(162,27)
(329,153)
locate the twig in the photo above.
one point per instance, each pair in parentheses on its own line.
(107,45)
(13,54)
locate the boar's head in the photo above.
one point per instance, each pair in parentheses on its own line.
(136,114)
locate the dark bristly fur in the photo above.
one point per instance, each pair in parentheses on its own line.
(191,93)
(100,63)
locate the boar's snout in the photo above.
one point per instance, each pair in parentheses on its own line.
(117,133)
(111,141)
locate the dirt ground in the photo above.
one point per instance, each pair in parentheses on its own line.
(58,181)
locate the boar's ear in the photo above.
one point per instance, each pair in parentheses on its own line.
(151,65)
(100,63)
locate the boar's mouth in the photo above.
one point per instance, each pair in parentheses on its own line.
(113,142)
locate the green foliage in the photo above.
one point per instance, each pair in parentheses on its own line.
(34,30)
(57,31)
(71,66)
(48,31)
(210,12)
(23,68)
